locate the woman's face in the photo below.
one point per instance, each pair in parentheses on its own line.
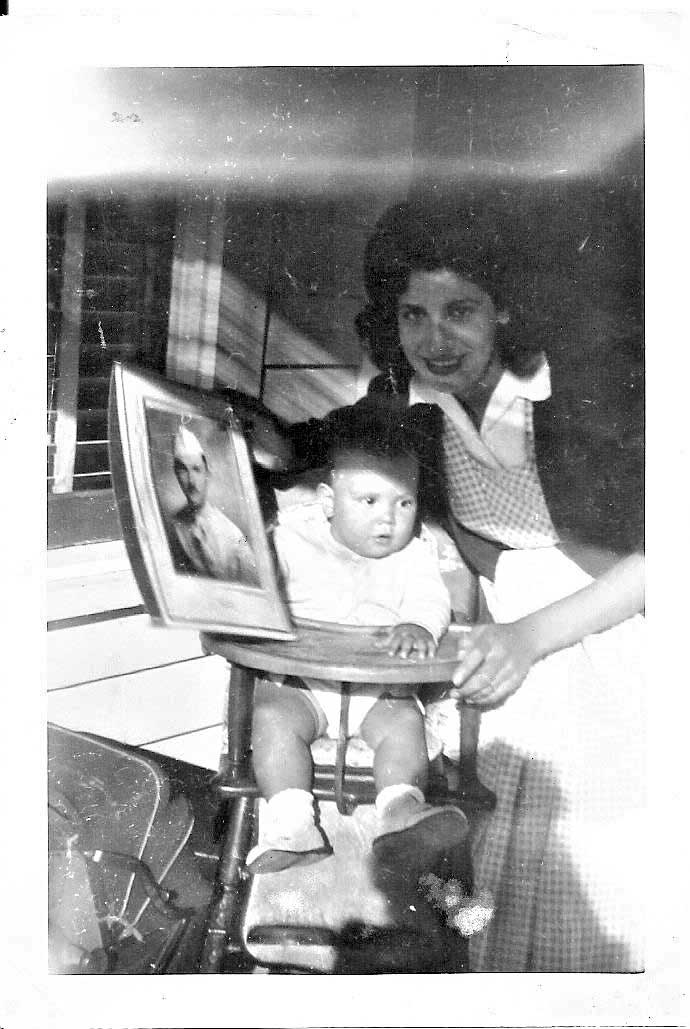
(447,330)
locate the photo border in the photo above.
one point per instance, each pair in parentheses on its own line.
(172,599)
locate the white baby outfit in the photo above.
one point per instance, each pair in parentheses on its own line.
(326,581)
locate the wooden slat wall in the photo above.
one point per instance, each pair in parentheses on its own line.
(102,650)
(68,360)
(114,673)
(89,580)
(297,394)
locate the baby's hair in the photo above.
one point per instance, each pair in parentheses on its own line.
(373,427)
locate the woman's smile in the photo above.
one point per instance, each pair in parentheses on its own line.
(443,365)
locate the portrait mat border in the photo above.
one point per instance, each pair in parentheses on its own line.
(172,599)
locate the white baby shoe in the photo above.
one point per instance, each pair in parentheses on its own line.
(413,834)
(288,834)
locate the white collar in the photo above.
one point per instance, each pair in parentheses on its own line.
(510,388)
(506,431)
(534,387)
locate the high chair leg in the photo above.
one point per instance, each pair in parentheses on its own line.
(472,791)
(224,925)
(223,930)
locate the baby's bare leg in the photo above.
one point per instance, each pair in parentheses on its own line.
(394,729)
(284,726)
(411,834)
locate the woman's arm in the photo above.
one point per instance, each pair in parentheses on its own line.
(278,446)
(494,659)
(267,435)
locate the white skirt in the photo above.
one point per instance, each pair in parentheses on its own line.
(563,852)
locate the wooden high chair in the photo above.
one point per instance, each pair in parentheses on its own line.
(341,655)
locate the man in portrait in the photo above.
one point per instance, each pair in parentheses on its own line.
(203,540)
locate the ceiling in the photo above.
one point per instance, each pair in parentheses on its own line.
(338,129)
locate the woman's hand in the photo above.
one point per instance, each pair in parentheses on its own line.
(494,660)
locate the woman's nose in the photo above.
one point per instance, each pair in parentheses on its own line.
(438,337)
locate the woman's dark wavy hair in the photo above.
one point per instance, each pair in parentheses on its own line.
(477,246)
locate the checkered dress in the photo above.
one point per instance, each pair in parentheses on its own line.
(502,504)
(561,854)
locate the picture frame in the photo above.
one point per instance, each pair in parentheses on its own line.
(189,509)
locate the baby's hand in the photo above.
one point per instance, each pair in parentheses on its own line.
(407,639)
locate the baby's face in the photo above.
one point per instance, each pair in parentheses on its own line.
(372,506)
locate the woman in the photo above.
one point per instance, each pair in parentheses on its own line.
(557,671)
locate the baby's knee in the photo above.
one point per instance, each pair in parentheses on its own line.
(396,717)
(407,719)
(280,711)
(271,709)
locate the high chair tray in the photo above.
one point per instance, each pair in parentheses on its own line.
(339,653)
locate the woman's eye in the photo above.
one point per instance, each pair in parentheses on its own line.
(406,504)
(410,314)
(369,500)
(460,312)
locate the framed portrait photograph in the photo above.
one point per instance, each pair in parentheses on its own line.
(189,509)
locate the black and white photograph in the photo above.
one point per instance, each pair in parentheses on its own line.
(192,462)
(188,508)
(347,456)
(466,243)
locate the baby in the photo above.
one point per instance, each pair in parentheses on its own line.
(357,556)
